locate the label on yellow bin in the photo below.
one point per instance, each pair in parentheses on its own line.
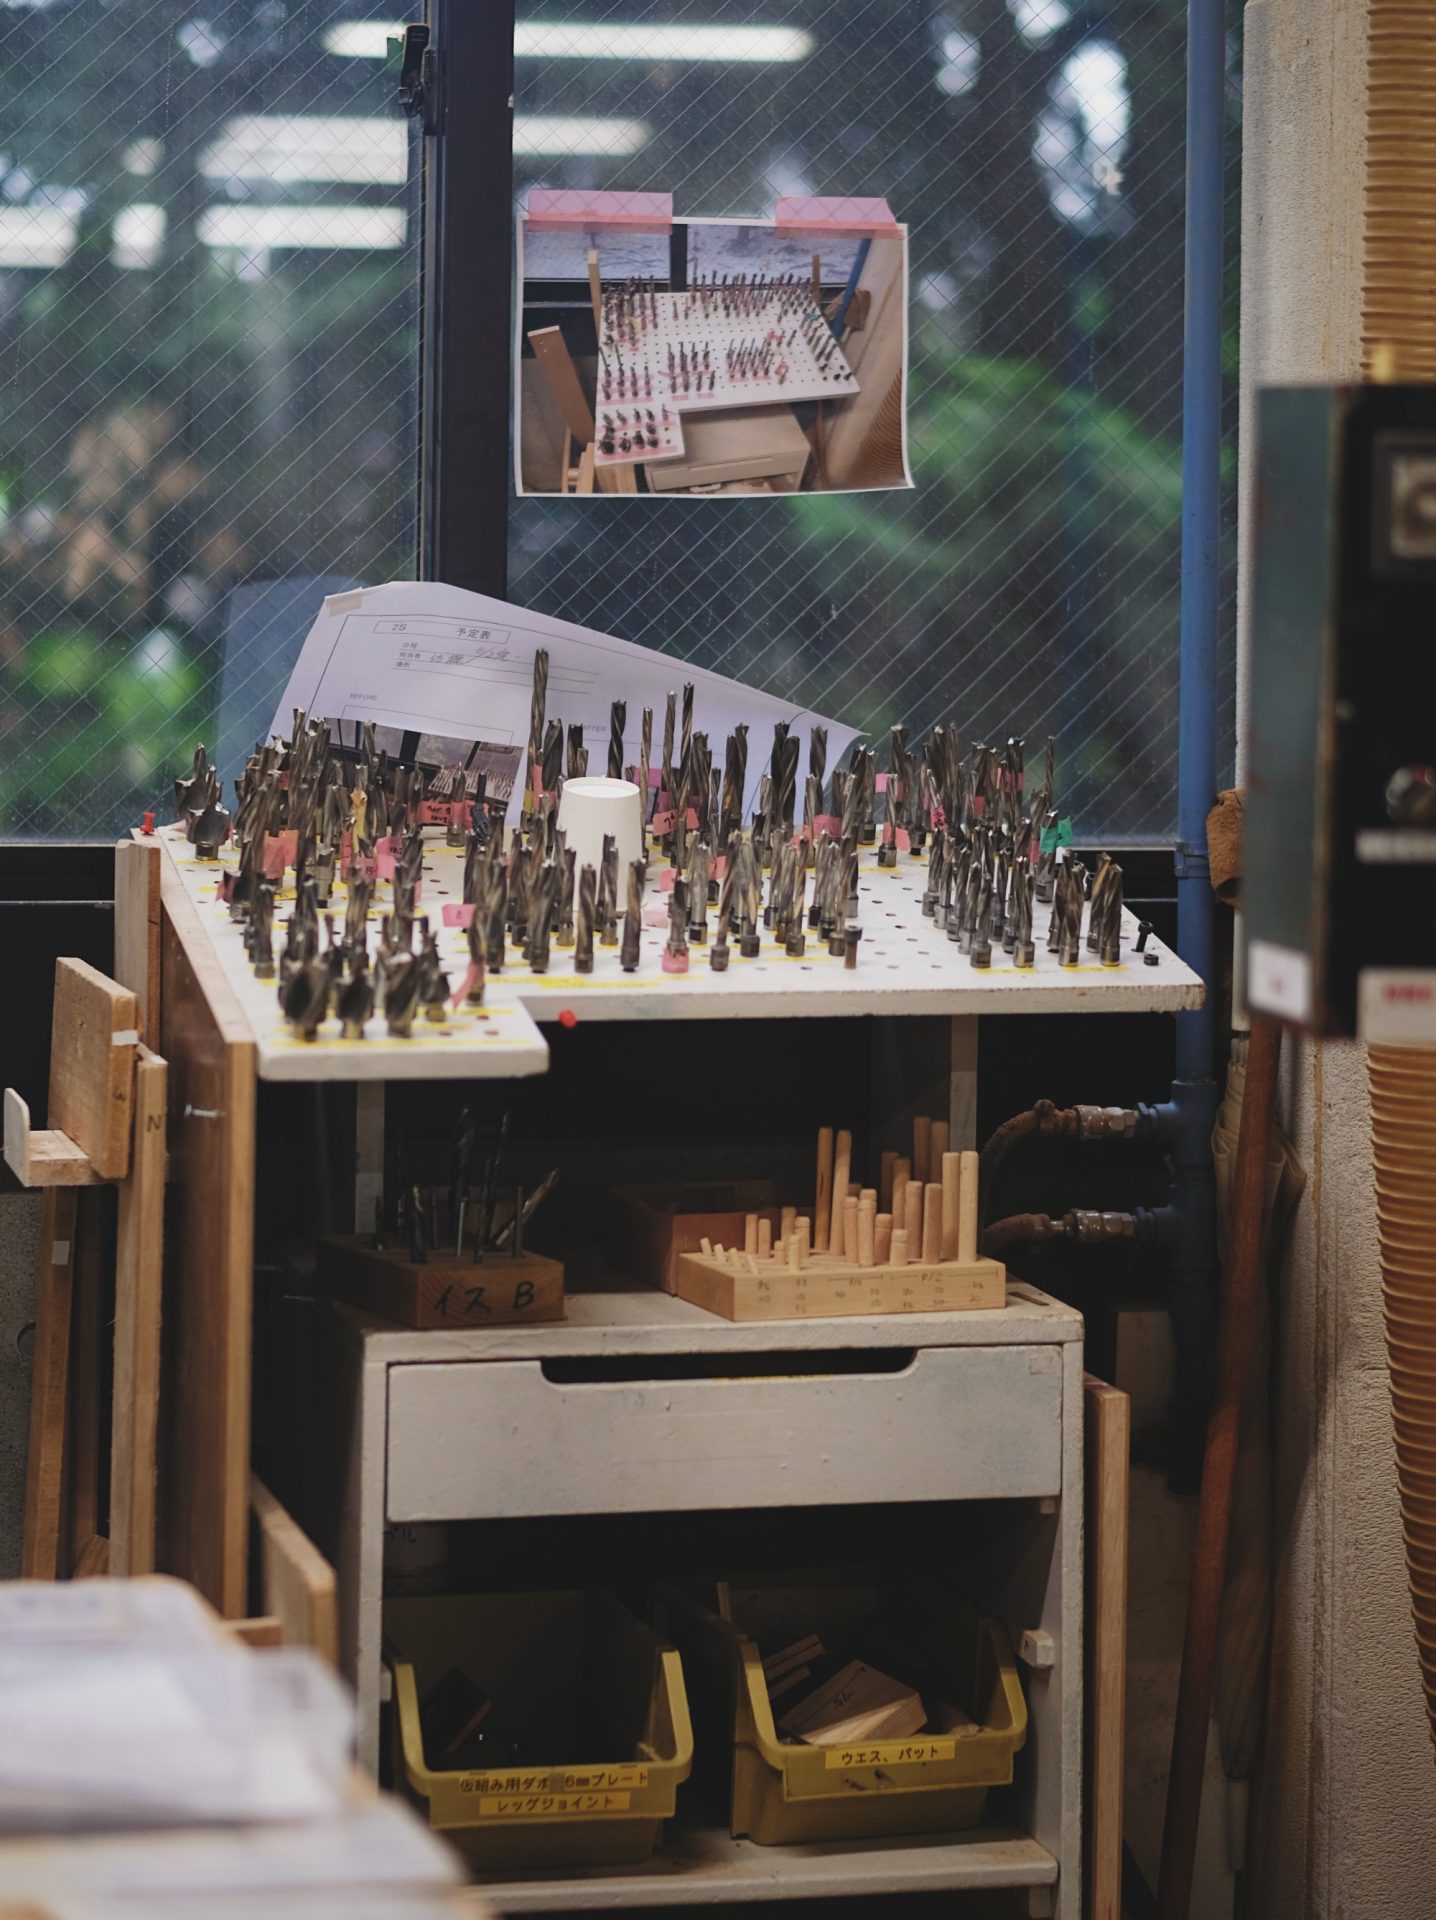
(887,1753)
(514,1806)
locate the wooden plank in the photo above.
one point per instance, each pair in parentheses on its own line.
(824,1289)
(90,1335)
(1107,1437)
(296,1583)
(260,1630)
(556,365)
(442,1292)
(49,1383)
(93,1035)
(92,1562)
(203,1498)
(47,1158)
(137,930)
(139,1288)
(595,291)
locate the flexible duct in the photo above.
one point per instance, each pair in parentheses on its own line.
(1399,343)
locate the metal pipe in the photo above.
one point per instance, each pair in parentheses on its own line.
(1194,1092)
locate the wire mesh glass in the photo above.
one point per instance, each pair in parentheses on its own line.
(209,336)
(1029,582)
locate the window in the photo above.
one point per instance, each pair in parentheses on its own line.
(209,342)
(1030,580)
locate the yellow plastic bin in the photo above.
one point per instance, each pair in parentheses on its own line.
(552,1656)
(928,1783)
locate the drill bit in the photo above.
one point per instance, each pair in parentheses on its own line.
(633,917)
(584,920)
(606,913)
(356,997)
(474,933)
(645,754)
(617,721)
(698,865)
(537,706)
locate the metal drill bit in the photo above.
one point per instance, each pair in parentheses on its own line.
(525,1207)
(356,997)
(466,1139)
(497,922)
(1110,942)
(584,920)
(356,913)
(401,993)
(418,1227)
(675,953)
(564,909)
(537,709)
(818,759)
(552,763)
(474,933)
(670,713)
(577,753)
(433,981)
(633,918)
(698,866)
(541,905)
(606,912)
(718,952)
(645,755)
(617,721)
(306,998)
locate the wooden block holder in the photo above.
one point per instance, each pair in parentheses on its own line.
(442,1292)
(825,1288)
(650,1227)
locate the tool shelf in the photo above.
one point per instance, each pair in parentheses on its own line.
(470,1424)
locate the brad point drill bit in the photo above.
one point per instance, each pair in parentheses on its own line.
(633,918)
(617,721)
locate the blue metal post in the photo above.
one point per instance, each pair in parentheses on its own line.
(1194,1266)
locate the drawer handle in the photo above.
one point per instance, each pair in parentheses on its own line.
(570,1371)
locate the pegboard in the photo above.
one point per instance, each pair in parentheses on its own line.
(905,965)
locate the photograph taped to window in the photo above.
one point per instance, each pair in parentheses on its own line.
(709,358)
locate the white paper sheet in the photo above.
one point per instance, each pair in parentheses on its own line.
(434,659)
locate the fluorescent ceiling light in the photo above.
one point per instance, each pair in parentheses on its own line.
(138,235)
(255,229)
(284,148)
(562,133)
(602,40)
(36,236)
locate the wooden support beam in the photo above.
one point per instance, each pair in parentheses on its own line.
(139,1285)
(49,1383)
(1107,1439)
(94,1034)
(556,365)
(296,1583)
(137,930)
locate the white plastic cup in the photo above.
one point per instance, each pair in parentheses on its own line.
(591,807)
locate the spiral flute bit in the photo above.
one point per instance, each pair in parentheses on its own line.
(645,778)
(606,913)
(564,910)
(577,753)
(494,932)
(433,981)
(675,953)
(585,919)
(1096,919)
(633,918)
(1109,944)
(355,1000)
(617,721)
(537,707)
(541,905)
(356,913)
(1024,951)
(552,775)
(699,863)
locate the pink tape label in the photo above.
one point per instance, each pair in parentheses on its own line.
(456,914)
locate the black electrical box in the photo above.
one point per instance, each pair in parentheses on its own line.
(1339,891)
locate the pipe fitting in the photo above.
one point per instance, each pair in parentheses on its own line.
(1107,1123)
(1090,1228)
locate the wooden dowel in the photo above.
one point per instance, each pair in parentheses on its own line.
(883,1239)
(951,1202)
(912,1219)
(886,1169)
(795,1252)
(805,1238)
(823,1192)
(765,1239)
(931,1223)
(705,1245)
(967,1211)
(750,1234)
(936,1147)
(921,1147)
(867,1214)
(842,1168)
(898,1255)
(850,1228)
(785,1222)
(902,1173)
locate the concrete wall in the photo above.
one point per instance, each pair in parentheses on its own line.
(1346,1816)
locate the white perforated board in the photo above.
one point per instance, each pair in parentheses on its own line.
(905,966)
